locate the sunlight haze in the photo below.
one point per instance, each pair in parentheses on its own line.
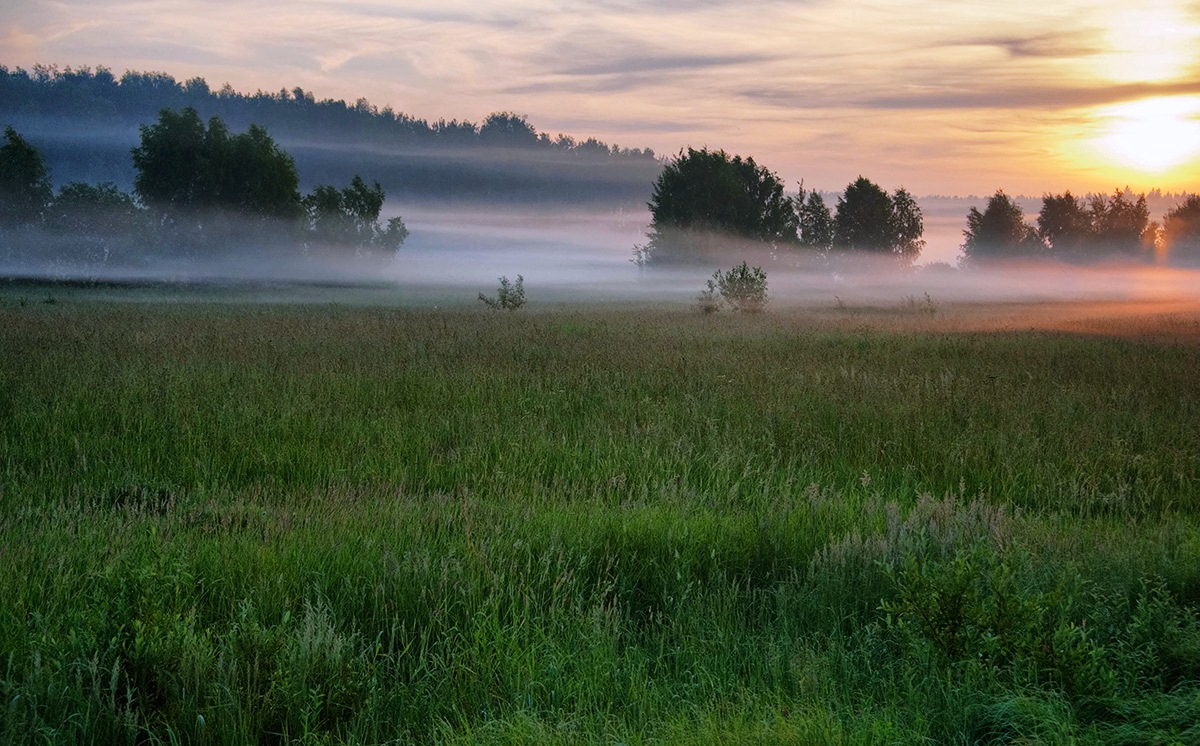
(942,98)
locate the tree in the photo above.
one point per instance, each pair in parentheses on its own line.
(864,218)
(907,227)
(1065,225)
(703,198)
(350,218)
(999,232)
(1181,231)
(509,130)
(183,167)
(93,210)
(173,165)
(870,220)
(814,220)
(1081,229)
(25,188)
(1119,223)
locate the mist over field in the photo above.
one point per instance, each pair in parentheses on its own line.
(568,254)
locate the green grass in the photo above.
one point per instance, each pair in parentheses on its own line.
(272,523)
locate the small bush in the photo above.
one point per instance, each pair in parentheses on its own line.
(709,299)
(744,288)
(509,296)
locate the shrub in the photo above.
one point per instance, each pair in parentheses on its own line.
(744,288)
(509,296)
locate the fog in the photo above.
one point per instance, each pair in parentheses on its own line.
(582,256)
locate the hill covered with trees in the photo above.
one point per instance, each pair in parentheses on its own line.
(85,121)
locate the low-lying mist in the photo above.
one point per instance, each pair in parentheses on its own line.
(583,255)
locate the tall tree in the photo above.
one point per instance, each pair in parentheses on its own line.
(999,232)
(864,218)
(173,162)
(1065,224)
(704,197)
(908,226)
(814,219)
(183,166)
(25,190)
(349,218)
(1181,232)
(872,222)
(1119,222)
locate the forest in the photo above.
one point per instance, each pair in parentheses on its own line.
(87,119)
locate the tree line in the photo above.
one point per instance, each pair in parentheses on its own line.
(198,188)
(98,95)
(1095,227)
(707,205)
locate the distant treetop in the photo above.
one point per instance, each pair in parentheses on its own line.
(97,94)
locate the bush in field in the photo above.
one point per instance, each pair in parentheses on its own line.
(744,288)
(509,296)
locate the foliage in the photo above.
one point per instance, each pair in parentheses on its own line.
(99,95)
(1181,231)
(907,227)
(182,167)
(1119,223)
(703,199)
(350,218)
(507,129)
(814,219)
(1065,224)
(505,530)
(94,210)
(999,232)
(744,288)
(1096,227)
(870,220)
(709,299)
(25,190)
(509,296)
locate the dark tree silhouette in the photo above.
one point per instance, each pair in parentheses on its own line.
(25,190)
(815,220)
(999,232)
(184,167)
(1065,224)
(864,218)
(908,226)
(1119,223)
(871,221)
(1181,232)
(508,130)
(349,218)
(1079,229)
(87,209)
(704,197)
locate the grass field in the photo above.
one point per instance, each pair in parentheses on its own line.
(326,523)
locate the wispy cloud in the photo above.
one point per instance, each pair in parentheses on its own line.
(820,89)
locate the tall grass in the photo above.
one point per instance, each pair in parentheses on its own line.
(323,524)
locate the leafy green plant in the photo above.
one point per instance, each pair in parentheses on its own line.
(744,288)
(709,299)
(509,296)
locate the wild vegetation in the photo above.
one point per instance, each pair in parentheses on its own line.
(199,191)
(232,523)
(502,157)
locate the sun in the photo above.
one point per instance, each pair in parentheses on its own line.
(1152,135)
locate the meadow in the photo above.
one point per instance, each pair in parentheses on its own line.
(902,522)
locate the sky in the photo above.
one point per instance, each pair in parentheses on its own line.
(939,97)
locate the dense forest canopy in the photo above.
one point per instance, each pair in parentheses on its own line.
(86,121)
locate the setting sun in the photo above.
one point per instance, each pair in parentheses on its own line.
(1151,135)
